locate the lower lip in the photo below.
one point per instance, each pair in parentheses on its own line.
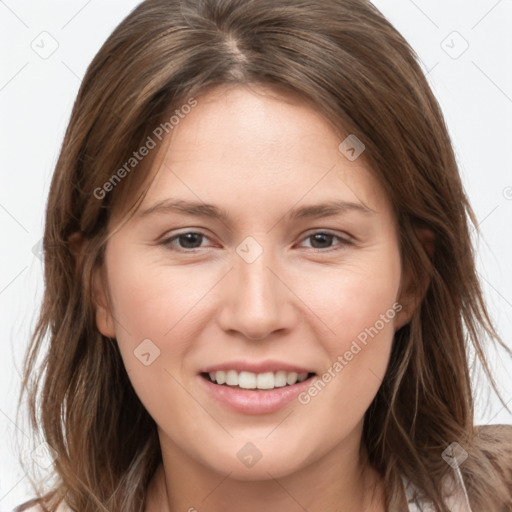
(255,401)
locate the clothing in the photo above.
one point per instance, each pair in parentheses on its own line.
(459,502)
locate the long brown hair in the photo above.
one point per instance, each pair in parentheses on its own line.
(347,61)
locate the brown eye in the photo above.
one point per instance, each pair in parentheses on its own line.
(183,241)
(323,240)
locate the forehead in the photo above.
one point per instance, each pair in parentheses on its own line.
(256,148)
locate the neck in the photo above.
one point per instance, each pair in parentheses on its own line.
(341,480)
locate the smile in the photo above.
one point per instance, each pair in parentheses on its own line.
(250,380)
(254,393)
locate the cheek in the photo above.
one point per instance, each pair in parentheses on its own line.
(151,310)
(353,297)
(150,298)
(361,304)
(360,308)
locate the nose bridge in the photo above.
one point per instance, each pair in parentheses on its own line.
(255,281)
(256,300)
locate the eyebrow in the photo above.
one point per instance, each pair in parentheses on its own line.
(199,209)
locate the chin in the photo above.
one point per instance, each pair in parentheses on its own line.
(259,472)
(273,465)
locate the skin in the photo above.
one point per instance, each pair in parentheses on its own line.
(303,300)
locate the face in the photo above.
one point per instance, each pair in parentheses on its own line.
(270,291)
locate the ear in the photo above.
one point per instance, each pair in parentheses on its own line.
(411,295)
(104,318)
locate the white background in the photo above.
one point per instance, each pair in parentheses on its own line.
(36,96)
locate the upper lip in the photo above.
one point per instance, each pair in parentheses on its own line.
(256,367)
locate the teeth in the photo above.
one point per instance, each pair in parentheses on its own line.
(264,380)
(280,379)
(291,378)
(232,378)
(249,380)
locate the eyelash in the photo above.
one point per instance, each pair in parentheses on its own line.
(168,241)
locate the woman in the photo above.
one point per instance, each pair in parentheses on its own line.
(258,370)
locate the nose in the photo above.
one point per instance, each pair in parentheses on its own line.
(256,299)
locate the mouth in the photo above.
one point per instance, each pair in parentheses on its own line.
(266,389)
(245,392)
(250,381)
